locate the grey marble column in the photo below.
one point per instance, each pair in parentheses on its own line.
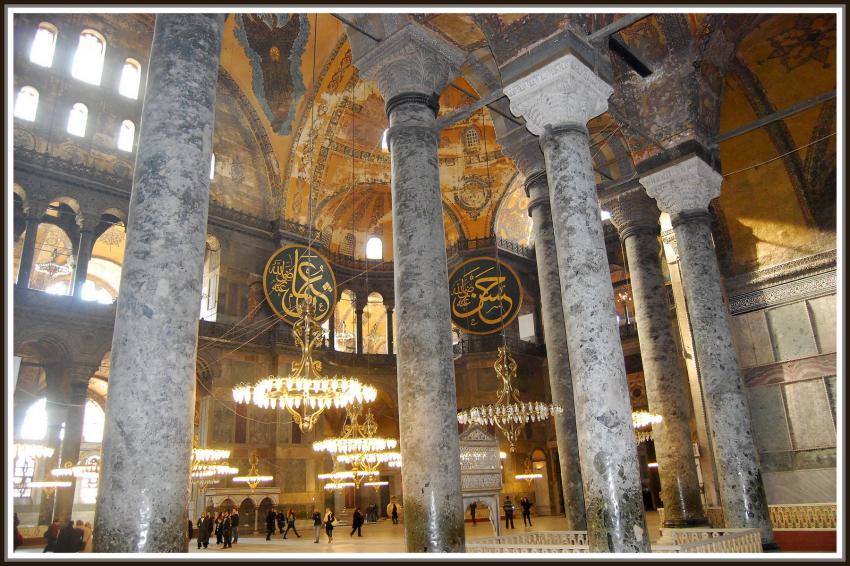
(635,216)
(557,100)
(84,251)
(390,309)
(411,67)
(55,408)
(684,190)
(28,249)
(358,317)
(524,149)
(74,415)
(144,486)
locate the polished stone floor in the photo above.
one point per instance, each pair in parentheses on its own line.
(381,537)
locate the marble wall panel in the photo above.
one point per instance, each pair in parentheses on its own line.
(791,331)
(752,339)
(222,422)
(800,486)
(814,459)
(294,472)
(831,393)
(809,414)
(822,311)
(770,425)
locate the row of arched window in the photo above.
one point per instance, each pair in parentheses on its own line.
(26,105)
(88,59)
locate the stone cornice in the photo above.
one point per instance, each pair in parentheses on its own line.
(564,91)
(690,184)
(783,273)
(791,292)
(412,59)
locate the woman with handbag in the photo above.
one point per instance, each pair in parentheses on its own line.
(329,524)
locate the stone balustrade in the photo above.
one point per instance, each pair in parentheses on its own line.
(803,516)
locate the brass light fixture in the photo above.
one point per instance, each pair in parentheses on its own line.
(253,479)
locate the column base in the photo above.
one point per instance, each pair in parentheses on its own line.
(770,547)
(685,523)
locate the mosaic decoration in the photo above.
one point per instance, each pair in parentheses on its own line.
(811,39)
(274,44)
(486,295)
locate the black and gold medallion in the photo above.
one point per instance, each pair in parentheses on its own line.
(293,273)
(485,295)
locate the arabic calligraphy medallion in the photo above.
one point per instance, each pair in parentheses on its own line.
(485,295)
(292,273)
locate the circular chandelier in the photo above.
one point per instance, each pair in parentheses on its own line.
(305,393)
(528,475)
(339,485)
(25,450)
(209,465)
(642,422)
(253,479)
(89,470)
(508,414)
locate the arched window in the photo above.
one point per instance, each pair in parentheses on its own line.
(212,166)
(126,135)
(88,61)
(26,103)
(374,248)
(131,75)
(93,421)
(471,139)
(375,325)
(35,422)
(345,323)
(384,146)
(103,277)
(77,119)
(88,489)
(52,268)
(22,476)
(43,45)
(209,290)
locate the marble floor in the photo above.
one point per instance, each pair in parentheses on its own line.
(381,537)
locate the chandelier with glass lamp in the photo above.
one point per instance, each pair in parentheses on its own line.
(642,422)
(305,393)
(253,479)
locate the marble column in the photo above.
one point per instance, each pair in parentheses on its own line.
(74,415)
(87,226)
(557,100)
(55,408)
(684,191)
(34,212)
(524,149)
(411,67)
(390,309)
(358,317)
(331,329)
(144,486)
(635,216)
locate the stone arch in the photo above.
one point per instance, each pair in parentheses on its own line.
(247,515)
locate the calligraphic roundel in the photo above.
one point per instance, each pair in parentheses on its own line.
(294,272)
(485,294)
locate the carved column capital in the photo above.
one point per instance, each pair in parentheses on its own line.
(632,209)
(688,185)
(524,148)
(409,60)
(87,222)
(35,206)
(564,91)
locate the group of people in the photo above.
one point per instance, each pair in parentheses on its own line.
(285,523)
(70,538)
(509,512)
(225,526)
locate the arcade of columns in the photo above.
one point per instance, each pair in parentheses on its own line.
(144,509)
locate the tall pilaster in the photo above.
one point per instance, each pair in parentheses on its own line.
(144,486)
(411,66)
(557,100)
(75,413)
(35,208)
(635,216)
(684,190)
(524,149)
(87,225)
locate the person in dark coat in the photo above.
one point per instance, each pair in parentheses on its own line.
(356,522)
(218,521)
(270,520)
(191,530)
(329,524)
(472,508)
(200,531)
(526,510)
(227,531)
(394,513)
(51,535)
(290,523)
(70,539)
(208,527)
(281,521)
(234,522)
(317,524)
(509,512)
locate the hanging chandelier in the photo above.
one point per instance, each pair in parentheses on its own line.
(508,414)
(33,451)
(642,422)
(89,470)
(339,485)
(305,393)
(253,479)
(52,267)
(528,475)
(209,466)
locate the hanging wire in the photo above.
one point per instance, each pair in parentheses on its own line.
(316,86)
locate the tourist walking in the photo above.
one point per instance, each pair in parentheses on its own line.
(200,524)
(281,521)
(191,529)
(70,539)
(509,513)
(51,535)
(329,524)
(356,522)
(317,524)
(88,538)
(234,523)
(526,510)
(270,520)
(227,531)
(472,508)
(290,523)
(392,510)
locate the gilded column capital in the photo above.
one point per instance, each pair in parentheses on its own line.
(409,60)
(562,92)
(632,209)
(688,185)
